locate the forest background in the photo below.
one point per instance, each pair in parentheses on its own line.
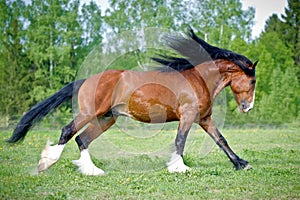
(43,43)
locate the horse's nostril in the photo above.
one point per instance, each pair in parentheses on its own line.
(243,105)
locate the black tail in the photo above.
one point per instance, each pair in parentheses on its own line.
(40,110)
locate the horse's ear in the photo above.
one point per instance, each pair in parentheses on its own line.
(254,65)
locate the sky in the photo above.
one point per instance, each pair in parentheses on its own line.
(264,9)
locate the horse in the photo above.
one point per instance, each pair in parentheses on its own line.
(183,89)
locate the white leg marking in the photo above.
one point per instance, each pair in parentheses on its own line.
(49,156)
(85,164)
(176,164)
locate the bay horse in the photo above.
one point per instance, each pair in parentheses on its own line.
(183,90)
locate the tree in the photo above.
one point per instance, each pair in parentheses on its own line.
(219,22)
(291,30)
(276,100)
(91,22)
(273,24)
(126,19)
(282,104)
(288,29)
(126,15)
(54,34)
(43,43)
(15,71)
(277,86)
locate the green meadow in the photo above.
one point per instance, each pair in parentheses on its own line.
(273,153)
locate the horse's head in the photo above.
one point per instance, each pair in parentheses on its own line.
(243,86)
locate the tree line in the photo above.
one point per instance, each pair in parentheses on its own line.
(43,43)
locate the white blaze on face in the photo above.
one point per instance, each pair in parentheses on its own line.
(251,104)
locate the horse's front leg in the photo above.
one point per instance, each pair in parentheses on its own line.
(51,154)
(211,129)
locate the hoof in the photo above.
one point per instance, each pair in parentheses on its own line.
(247,167)
(49,156)
(178,168)
(242,164)
(45,163)
(177,165)
(86,166)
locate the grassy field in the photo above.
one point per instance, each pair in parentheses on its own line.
(274,155)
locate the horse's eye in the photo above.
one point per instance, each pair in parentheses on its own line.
(252,82)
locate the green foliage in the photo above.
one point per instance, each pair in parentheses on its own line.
(44,43)
(129,14)
(42,46)
(278,87)
(218,22)
(277,90)
(15,71)
(289,30)
(281,104)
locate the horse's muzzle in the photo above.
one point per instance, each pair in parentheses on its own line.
(245,106)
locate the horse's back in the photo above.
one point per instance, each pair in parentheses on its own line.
(152,96)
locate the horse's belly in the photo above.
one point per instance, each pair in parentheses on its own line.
(153,103)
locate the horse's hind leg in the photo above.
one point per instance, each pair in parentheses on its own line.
(51,154)
(96,128)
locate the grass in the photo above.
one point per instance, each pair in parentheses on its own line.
(274,154)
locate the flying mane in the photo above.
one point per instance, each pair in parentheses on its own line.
(197,51)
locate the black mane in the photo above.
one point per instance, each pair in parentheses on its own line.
(196,51)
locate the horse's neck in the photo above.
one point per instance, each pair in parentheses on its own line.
(215,77)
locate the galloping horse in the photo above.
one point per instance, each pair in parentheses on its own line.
(183,90)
